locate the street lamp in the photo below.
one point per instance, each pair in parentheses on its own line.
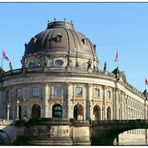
(103,107)
(17,109)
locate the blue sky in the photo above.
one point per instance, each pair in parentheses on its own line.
(111,26)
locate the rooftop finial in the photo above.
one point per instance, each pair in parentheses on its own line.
(48,21)
(64,21)
(55,19)
(72,24)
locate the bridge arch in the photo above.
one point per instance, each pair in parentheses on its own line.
(105,132)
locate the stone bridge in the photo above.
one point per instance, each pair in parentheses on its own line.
(101,132)
(104,132)
(7,131)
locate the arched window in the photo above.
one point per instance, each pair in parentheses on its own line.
(108,113)
(36,111)
(78,112)
(97,112)
(57,110)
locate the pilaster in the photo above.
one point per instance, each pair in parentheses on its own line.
(104,107)
(46,97)
(89,109)
(69,97)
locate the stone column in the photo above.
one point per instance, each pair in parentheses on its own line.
(104,116)
(17,110)
(123,106)
(28,102)
(115,104)
(69,97)
(8,111)
(45,98)
(102,112)
(88,102)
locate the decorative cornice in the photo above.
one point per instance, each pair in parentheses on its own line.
(95,74)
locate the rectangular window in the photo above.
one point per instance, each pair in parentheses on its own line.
(36,91)
(97,92)
(57,90)
(78,91)
(18,92)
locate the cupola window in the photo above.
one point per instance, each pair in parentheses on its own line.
(59,38)
(58,63)
(83,41)
(31,65)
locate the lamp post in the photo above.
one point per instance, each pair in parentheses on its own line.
(8,111)
(17,110)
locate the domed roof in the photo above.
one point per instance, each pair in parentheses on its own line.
(60,37)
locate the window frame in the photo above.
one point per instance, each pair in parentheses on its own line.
(56,92)
(77,94)
(57,111)
(98,96)
(18,92)
(108,94)
(37,92)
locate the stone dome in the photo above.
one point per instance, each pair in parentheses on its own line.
(60,36)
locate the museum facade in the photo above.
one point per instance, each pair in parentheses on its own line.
(60,79)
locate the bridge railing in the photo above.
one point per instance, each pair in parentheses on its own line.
(6,122)
(43,121)
(79,122)
(117,122)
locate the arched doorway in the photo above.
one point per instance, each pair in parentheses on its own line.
(108,113)
(20,113)
(36,111)
(57,111)
(78,112)
(97,112)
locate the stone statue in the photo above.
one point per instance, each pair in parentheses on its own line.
(10,66)
(89,64)
(68,61)
(105,66)
(116,73)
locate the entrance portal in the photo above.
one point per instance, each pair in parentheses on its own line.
(78,112)
(36,111)
(97,112)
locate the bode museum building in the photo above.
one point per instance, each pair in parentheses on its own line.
(59,91)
